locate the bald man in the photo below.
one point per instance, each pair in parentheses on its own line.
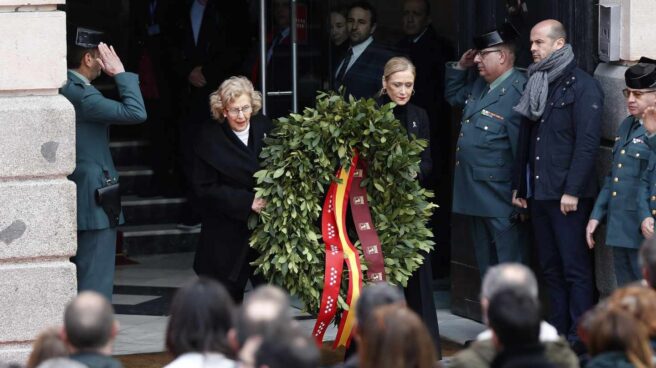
(555,176)
(90,329)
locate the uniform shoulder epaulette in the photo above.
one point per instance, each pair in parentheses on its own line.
(518,83)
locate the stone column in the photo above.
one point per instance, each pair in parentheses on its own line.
(37,152)
(636,40)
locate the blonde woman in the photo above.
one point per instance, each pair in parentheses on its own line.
(398,87)
(226,157)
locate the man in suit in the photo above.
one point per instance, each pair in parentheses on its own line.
(616,202)
(209,42)
(559,142)
(361,70)
(96,236)
(487,146)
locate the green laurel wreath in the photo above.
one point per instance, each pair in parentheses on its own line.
(300,159)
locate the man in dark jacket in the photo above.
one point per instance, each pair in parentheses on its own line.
(559,141)
(515,321)
(90,329)
(361,70)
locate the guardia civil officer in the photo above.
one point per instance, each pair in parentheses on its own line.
(616,202)
(98,200)
(487,145)
(559,142)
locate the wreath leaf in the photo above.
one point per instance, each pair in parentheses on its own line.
(300,159)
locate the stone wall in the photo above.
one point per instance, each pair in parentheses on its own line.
(37,152)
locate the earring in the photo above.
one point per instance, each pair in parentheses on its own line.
(383,91)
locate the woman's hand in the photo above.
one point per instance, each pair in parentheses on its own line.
(647,227)
(258,205)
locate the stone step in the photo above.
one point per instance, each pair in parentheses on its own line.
(156,210)
(157,239)
(133,178)
(130,152)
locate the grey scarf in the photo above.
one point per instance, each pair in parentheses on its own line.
(540,74)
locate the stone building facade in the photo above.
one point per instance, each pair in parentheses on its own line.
(37,152)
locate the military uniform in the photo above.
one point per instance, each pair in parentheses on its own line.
(616,201)
(94,166)
(487,147)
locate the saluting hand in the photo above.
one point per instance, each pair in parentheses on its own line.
(109,61)
(647,227)
(467,59)
(589,231)
(649,119)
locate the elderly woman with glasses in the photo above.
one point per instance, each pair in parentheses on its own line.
(226,157)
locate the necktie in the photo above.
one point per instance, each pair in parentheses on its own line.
(345,63)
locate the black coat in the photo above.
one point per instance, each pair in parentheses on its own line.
(223,182)
(364,78)
(416,123)
(222,45)
(561,147)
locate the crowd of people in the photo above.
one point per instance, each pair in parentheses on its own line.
(207,329)
(525,162)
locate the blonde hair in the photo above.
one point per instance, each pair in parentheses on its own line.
(231,89)
(395,65)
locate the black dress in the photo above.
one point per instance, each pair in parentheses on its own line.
(419,292)
(223,181)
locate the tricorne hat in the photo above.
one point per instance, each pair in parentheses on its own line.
(87,37)
(506,33)
(641,75)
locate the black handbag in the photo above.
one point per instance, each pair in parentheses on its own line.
(109,198)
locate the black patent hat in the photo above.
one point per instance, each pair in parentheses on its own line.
(505,34)
(87,37)
(641,75)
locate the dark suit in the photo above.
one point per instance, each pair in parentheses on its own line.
(557,156)
(364,78)
(616,202)
(223,181)
(93,166)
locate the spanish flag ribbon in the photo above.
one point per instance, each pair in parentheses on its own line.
(339,249)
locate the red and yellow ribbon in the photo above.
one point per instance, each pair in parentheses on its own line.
(339,249)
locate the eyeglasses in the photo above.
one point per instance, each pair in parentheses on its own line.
(627,92)
(234,112)
(482,53)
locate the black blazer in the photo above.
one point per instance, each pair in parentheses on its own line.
(416,123)
(561,148)
(223,181)
(364,78)
(223,41)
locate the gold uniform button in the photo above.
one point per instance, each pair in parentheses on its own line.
(457,163)
(614,194)
(462,135)
(457,149)
(485,127)
(619,165)
(637,155)
(653,212)
(467,121)
(616,179)
(653,198)
(622,151)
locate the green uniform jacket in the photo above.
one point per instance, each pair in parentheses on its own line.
(616,202)
(647,192)
(487,145)
(93,115)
